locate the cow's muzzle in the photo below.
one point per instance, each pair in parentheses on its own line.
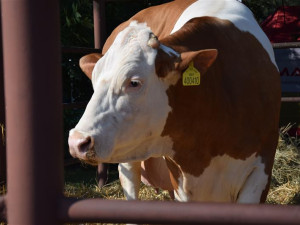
(82,147)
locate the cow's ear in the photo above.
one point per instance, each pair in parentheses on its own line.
(87,63)
(202,60)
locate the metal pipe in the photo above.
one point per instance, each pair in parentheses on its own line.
(31,51)
(99,40)
(286,45)
(99,23)
(290,99)
(116,211)
(2,115)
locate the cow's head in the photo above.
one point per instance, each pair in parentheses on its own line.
(127,113)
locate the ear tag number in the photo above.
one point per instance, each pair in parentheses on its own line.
(191,77)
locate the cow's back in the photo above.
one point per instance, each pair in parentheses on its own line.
(161,19)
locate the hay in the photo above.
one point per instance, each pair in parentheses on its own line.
(285,184)
(111,191)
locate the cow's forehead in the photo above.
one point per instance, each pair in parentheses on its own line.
(129,51)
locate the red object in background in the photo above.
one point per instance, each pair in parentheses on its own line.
(283,25)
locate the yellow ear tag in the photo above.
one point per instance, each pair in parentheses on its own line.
(191,77)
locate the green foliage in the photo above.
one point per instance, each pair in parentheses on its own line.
(77,23)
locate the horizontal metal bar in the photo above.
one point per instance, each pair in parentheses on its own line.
(290,99)
(117,211)
(3,209)
(286,45)
(74,105)
(79,50)
(82,50)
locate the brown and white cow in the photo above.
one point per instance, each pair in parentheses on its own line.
(214,141)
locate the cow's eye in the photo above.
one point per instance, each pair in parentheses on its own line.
(134,83)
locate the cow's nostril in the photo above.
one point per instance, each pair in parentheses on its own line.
(80,145)
(85,144)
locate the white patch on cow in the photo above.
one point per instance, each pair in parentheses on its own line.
(231,10)
(130,178)
(252,189)
(180,195)
(228,180)
(126,122)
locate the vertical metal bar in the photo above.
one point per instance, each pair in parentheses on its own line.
(99,23)
(2,114)
(33,97)
(99,40)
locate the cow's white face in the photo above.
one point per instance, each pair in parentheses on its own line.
(129,107)
(127,113)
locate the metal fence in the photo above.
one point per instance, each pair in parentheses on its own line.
(34,139)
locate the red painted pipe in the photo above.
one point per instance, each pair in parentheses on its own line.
(290,99)
(116,211)
(99,23)
(31,51)
(2,115)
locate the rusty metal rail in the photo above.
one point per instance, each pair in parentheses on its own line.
(290,99)
(116,211)
(286,45)
(153,212)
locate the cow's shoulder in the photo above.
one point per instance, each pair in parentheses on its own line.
(227,10)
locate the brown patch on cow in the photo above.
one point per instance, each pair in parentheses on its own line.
(161,19)
(164,63)
(235,110)
(175,172)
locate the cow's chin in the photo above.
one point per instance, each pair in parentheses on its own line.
(91,158)
(90,162)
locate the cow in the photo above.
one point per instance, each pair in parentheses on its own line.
(190,89)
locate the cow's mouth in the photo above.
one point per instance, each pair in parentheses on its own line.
(90,157)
